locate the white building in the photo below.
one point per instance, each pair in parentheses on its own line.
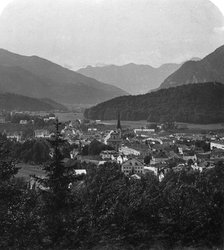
(217,144)
(42,133)
(15,136)
(128,151)
(23,122)
(132,166)
(143,130)
(152,169)
(80,171)
(121,159)
(108,154)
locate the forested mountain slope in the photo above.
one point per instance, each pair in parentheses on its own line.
(194,103)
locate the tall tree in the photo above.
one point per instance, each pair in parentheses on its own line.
(57,195)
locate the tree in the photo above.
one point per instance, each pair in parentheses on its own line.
(8,167)
(58,197)
(147,159)
(9,194)
(58,176)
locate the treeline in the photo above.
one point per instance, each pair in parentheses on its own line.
(34,151)
(108,210)
(191,103)
(37,121)
(95,148)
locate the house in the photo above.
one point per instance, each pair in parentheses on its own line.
(188,156)
(121,159)
(153,169)
(92,129)
(108,154)
(143,131)
(132,166)
(217,144)
(196,167)
(42,133)
(46,119)
(23,122)
(17,136)
(128,151)
(80,171)
(52,117)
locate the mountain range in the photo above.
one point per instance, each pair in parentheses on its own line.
(36,77)
(9,101)
(208,69)
(191,103)
(133,78)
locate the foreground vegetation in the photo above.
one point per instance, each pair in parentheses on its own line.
(106,208)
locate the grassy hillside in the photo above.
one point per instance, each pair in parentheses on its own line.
(10,101)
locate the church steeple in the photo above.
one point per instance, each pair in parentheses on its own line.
(118,121)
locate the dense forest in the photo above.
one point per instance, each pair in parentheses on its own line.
(192,103)
(107,210)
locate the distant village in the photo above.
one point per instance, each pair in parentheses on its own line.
(155,148)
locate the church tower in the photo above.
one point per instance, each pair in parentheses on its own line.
(115,139)
(118,121)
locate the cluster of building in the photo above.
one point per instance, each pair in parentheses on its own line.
(144,150)
(157,153)
(17,133)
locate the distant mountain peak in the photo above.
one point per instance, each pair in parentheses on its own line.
(40,78)
(208,69)
(133,78)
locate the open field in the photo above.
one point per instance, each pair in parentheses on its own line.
(139,124)
(26,170)
(62,116)
(71,116)
(131,124)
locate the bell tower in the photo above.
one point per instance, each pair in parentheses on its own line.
(118,121)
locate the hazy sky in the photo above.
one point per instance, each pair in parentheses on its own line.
(77,33)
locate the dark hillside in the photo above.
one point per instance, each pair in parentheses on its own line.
(39,78)
(193,103)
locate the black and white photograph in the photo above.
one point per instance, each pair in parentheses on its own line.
(111,124)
